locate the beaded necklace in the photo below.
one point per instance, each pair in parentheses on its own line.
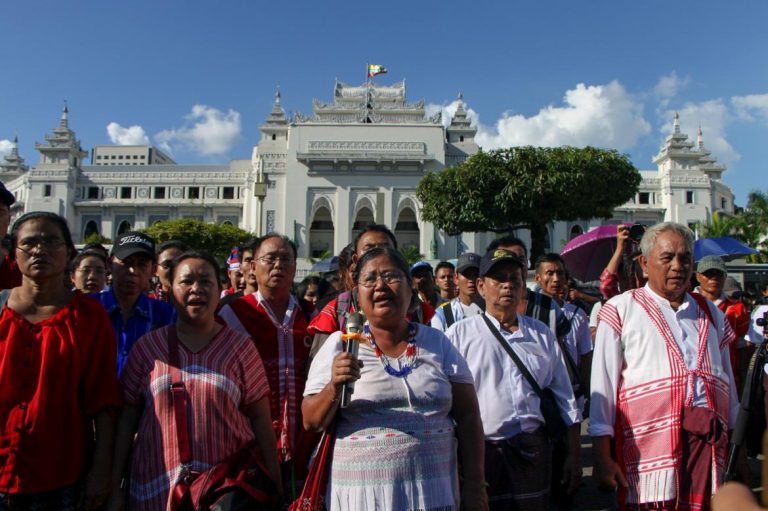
(410,352)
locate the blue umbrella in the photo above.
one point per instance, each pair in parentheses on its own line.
(724,247)
(326,265)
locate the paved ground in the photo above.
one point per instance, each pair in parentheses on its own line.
(590,498)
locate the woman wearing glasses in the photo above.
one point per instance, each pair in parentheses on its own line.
(58,379)
(396,440)
(89,272)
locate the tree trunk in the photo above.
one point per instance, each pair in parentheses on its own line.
(538,233)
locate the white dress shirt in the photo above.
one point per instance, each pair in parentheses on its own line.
(508,404)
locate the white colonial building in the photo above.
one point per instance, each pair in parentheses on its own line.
(319,177)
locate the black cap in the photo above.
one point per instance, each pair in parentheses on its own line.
(496,256)
(133,242)
(466,261)
(6,197)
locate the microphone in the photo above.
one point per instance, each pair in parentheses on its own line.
(355,327)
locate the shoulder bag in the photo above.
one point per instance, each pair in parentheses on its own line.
(238,483)
(553,422)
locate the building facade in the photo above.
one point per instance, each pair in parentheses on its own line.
(320,177)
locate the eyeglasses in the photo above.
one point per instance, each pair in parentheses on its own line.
(29,244)
(389,278)
(271,259)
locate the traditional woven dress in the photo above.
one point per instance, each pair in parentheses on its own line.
(221,380)
(395,445)
(651,377)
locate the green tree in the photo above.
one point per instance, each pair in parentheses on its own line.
(96,238)
(216,239)
(753,225)
(527,187)
(411,254)
(720,226)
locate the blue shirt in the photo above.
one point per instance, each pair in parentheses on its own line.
(148,314)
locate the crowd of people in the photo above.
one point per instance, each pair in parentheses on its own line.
(470,387)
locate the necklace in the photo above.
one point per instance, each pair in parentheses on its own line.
(410,352)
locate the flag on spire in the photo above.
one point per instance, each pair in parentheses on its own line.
(376,69)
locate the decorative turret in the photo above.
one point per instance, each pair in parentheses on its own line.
(276,125)
(369,103)
(676,146)
(707,163)
(14,165)
(460,136)
(62,148)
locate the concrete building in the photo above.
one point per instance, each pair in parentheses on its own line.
(129,155)
(319,177)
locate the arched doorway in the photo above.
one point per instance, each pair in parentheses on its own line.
(576,230)
(91,228)
(407,228)
(124,226)
(364,217)
(321,233)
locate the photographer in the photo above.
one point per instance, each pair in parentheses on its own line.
(623,271)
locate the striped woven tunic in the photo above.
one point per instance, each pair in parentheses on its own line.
(395,446)
(221,380)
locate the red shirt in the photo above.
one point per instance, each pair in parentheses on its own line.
(10,276)
(55,376)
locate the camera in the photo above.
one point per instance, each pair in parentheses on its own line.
(636,232)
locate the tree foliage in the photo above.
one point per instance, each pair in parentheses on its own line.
(527,187)
(96,238)
(216,239)
(411,254)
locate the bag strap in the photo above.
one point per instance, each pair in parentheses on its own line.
(179,396)
(574,374)
(504,344)
(449,319)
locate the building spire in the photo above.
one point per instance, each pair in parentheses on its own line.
(65,116)
(15,147)
(700,139)
(676,123)
(277,96)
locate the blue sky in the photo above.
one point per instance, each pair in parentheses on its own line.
(199,77)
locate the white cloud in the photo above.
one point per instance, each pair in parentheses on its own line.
(133,135)
(5,148)
(598,115)
(668,86)
(752,106)
(713,116)
(207,131)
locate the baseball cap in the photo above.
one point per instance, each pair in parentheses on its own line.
(496,256)
(133,242)
(707,263)
(421,264)
(467,260)
(5,196)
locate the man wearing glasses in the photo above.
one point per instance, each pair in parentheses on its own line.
(273,318)
(131,311)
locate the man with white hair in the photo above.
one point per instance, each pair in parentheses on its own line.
(662,384)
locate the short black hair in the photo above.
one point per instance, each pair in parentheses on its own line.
(507,241)
(345,258)
(96,247)
(88,253)
(551,257)
(57,220)
(393,254)
(177,244)
(444,264)
(271,235)
(194,254)
(375,228)
(322,286)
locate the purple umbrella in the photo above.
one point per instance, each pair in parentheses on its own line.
(725,247)
(587,255)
